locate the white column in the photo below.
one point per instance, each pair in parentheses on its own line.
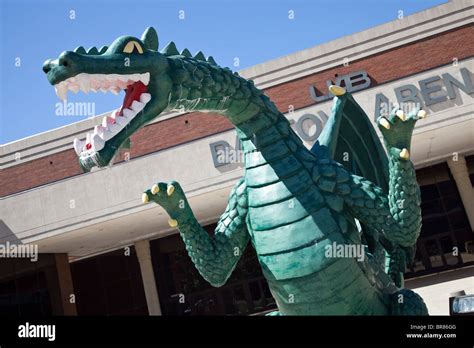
(149,285)
(461,176)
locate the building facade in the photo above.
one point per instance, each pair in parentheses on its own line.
(103,252)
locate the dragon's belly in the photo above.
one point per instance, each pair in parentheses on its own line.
(297,247)
(290,225)
(339,289)
(291,228)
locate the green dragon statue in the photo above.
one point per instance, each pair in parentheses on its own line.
(304,212)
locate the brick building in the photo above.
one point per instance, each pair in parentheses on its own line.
(104,252)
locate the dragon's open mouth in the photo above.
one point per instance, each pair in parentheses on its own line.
(136,97)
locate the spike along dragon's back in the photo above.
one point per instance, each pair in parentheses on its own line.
(297,207)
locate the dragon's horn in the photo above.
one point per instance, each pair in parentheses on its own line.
(150,39)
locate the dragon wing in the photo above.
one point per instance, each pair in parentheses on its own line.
(349,138)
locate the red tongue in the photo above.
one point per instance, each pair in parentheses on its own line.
(133,92)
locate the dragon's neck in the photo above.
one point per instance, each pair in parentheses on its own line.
(199,85)
(203,86)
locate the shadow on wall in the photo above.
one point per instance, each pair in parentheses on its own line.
(7,235)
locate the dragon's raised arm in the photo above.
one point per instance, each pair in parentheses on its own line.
(397,216)
(215,257)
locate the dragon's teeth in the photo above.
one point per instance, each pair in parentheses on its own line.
(97,142)
(145,78)
(98,77)
(134,77)
(129,114)
(115,90)
(114,128)
(82,78)
(121,121)
(121,85)
(61,90)
(106,135)
(106,121)
(84,82)
(99,129)
(73,87)
(137,106)
(145,97)
(94,83)
(109,123)
(112,77)
(78,146)
(105,84)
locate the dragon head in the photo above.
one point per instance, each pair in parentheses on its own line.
(129,64)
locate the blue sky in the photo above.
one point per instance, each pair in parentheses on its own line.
(254,31)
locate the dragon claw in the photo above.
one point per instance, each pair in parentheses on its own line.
(170,197)
(337,90)
(404,154)
(155,189)
(170,189)
(397,129)
(401,115)
(384,123)
(421,114)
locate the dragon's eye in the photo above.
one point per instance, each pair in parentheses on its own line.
(133,47)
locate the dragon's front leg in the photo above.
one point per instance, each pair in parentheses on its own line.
(214,257)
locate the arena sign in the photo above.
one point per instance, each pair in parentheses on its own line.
(430,91)
(353,82)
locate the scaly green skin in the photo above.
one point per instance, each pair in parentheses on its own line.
(292,204)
